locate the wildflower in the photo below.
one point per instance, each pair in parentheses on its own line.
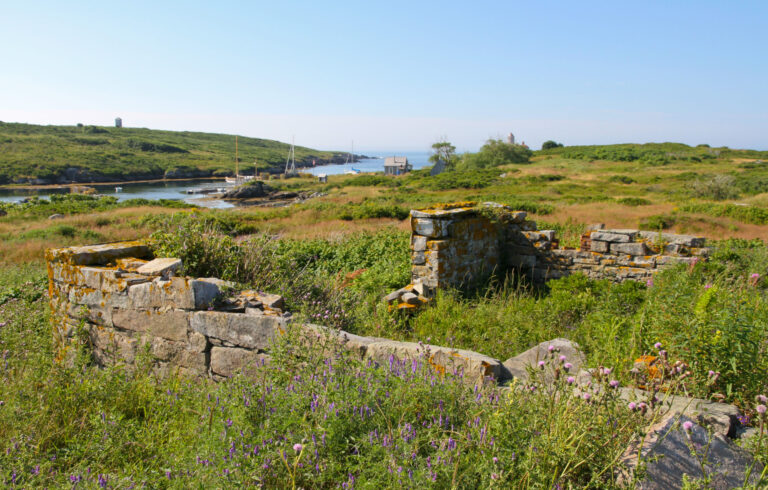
(687,426)
(760,409)
(102,481)
(657,345)
(567,366)
(762,398)
(494,476)
(614,383)
(551,348)
(298,447)
(495,460)
(542,364)
(632,406)
(562,358)
(586,396)
(570,380)
(711,374)
(707,286)
(649,283)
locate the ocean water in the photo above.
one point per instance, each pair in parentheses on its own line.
(178,189)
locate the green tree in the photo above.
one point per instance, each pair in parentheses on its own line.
(549,144)
(445,151)
(495,153)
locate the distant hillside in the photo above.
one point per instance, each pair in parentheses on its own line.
(60,154)
(651,153)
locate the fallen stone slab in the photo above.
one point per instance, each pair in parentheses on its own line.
(98,254)
(672,239)
(249,331)
(228,361)
(608,236)
(721,417)
(444,360)
(518,366)
(160,267)
(669,452)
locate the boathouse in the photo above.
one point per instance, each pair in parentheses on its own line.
(397,166)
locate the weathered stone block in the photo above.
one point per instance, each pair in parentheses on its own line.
(418,243)
(633,248)
(168,324)
(432,228)
(228,361)
(98,254)
(176,292)
(599,246)
(519,365)
(670,238)
(417,258)
(249,331)
(160,267)
(609,236)
(110,346)
(443,359)
(666,451)
(548,234)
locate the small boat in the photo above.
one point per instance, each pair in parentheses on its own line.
(352,171)
(118,189)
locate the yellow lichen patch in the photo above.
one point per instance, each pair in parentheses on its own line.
(449,206)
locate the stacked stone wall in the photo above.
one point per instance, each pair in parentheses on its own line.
(122,303)
(459,245)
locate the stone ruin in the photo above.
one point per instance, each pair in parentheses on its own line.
(124,303)
(121,301)
(461,244)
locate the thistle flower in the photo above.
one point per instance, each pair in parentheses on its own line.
(562,358)
(762,398)
(298,447)
(760,409)
(687,426)
(657,345)
(542,364)
(567,366)
(570,380)
(586,396)
(551,348)
(632,406)
(614,383)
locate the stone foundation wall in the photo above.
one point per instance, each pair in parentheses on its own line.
(458,245)
(125,306)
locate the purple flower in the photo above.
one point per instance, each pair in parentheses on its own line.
(754,276)
(632,406)
(687,426)
(760,409)
(551,348)
(586,396)
(570,380)
(102,481)
(542,364)
(657,345)
(762,399)
(707,286)
(614,383)
(298,447)
(649,283)
(567,366)
(562,358)
(495,460)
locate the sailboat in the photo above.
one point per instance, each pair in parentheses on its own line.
(351,159)
(238,179)
(290,162)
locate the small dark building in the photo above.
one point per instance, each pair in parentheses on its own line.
(437,168)
(397,166)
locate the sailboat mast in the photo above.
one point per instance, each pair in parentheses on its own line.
(237,160)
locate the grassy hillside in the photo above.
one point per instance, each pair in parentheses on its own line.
(53,154)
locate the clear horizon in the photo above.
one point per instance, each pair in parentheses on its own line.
(395,76)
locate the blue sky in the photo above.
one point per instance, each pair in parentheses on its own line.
(395,75)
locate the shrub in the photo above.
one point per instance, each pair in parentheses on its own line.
(550,144)
(657,222)
(621,179)
(718,188)
(495,153)
(744,214)
(633,201)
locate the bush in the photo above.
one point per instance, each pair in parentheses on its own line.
(460,179)
(621,179)
(549,144)
(719,188)
(495,153)
(744,214)
(633,201)
(657,222)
